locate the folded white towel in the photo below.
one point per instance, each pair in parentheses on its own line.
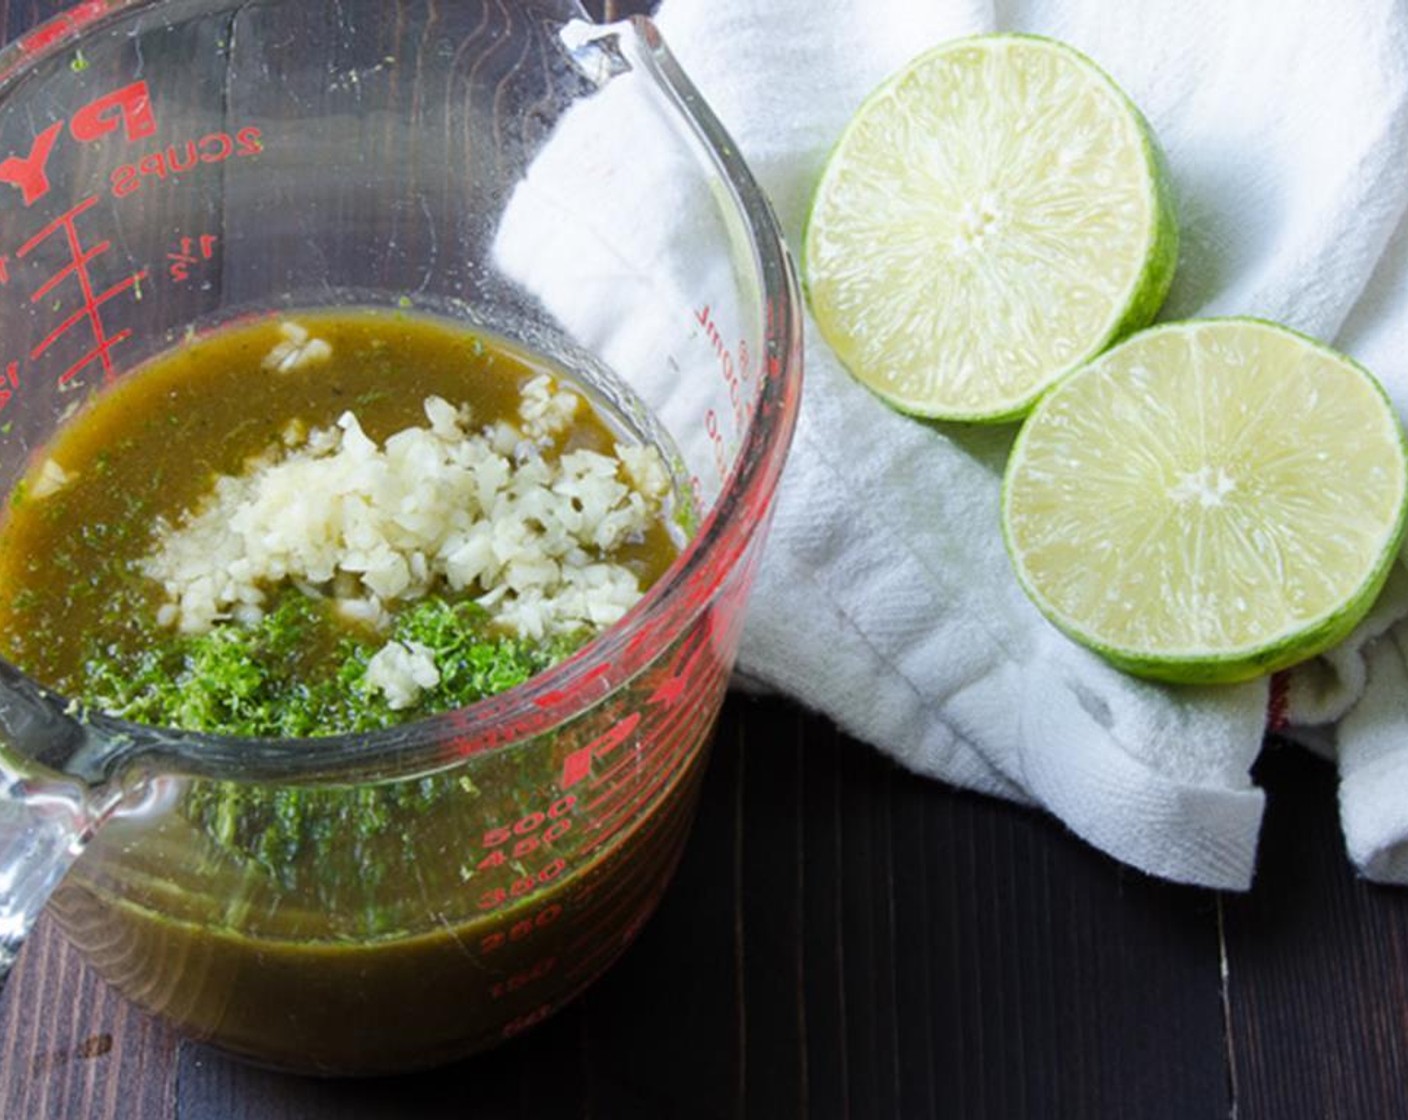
(885,598)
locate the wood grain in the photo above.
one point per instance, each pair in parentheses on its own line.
(71,1048)
(1317,965)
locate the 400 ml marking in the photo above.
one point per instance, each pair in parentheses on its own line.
(125,115)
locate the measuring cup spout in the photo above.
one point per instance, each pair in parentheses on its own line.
(564,10)
(54,794)
(45,823)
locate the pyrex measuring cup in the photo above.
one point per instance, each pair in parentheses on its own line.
(396,899)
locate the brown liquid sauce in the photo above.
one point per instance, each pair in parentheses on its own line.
(367,929)
(152,447)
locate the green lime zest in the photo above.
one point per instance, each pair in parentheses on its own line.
(255,680)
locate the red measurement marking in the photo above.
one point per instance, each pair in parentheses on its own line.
(548,699)
(622,898)
(129,109)
(664,731)
(667,739)
(642,788)
(594,961)
(576,767)
(665,767)
(670,690)
(477,741)
(500,835)
(644,759)
(578,764)
(608,938)
(584,954)
(734,372)
(499,896)
(12,383)
(183,156)
(522,929)
(80,15)
(521,980)
(608,776)
(189,252)
(4,269)
(523,1022)
(79,260)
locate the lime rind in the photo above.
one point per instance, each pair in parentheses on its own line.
(1292,644)
(1136,303)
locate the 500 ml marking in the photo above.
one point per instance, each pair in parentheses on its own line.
(126,114)
(527,834)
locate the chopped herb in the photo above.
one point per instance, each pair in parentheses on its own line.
(24,599)
(256,679)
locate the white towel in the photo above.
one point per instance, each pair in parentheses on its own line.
(885,599)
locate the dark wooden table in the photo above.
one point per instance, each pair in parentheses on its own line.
(847,940)
(844,939)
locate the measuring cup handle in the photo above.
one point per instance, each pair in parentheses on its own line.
(45,823)
(56,788)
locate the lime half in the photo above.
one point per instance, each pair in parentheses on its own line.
(994,216)
(1209,501)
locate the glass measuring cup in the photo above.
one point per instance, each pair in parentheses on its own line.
(169,166)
